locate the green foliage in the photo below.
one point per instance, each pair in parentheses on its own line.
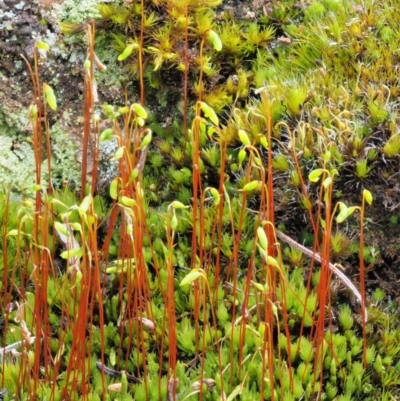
(141,246)
(345,317)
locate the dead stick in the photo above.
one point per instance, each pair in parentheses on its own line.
(316,256)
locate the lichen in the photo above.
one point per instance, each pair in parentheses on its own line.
(11,121)
(114,78)
(17,167)
(78,11)
(64,166)
(6,17)
(17,162)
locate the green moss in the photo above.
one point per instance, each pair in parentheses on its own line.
(331,121)
(314,11)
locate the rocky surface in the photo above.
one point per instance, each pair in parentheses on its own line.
(22,24)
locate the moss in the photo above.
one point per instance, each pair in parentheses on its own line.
(314,11)
(323,114)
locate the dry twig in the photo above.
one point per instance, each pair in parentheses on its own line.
(316,256)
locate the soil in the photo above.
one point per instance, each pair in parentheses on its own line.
(35,19)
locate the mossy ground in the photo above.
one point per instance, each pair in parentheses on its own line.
(328,69)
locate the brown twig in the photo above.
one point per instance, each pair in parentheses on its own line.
(316,256)
(116,373)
